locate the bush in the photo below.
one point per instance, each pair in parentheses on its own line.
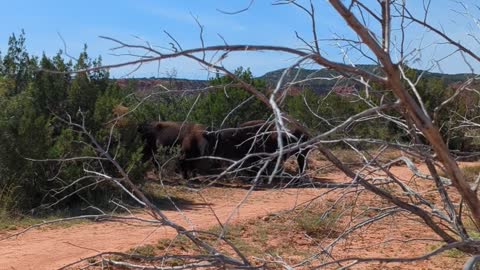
(222,108)
(318,225)
(471,172)
(30,130)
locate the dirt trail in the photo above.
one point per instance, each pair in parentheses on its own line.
(52,248)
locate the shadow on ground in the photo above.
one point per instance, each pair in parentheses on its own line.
(175,203)
(283,181)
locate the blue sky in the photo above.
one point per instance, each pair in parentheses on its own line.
(80,22)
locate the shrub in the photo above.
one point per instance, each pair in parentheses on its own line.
(471,172)
(318,225)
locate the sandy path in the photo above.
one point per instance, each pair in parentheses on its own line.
(56,247)
(52,248)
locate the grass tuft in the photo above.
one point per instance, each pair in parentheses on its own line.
(471,172)
(146,250)
(318,225)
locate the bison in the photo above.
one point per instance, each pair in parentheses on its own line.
(258,138)
(189,137)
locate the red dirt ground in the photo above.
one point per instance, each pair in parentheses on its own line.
(51,248)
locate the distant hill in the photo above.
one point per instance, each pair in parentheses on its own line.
(319,80)
(322,80)
(145,86)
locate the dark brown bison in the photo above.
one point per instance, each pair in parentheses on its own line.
(258,139)
(189,137)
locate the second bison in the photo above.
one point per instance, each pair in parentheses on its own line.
(256,140)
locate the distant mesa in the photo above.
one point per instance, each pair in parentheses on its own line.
(320,81)
(148,85)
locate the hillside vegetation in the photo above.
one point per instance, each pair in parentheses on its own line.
(43,157)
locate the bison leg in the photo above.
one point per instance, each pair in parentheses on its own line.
(184,167)
(302,160)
